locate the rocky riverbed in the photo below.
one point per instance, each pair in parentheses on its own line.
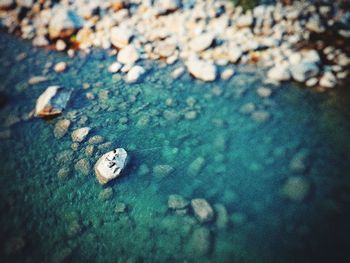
(235,169)
(303,41)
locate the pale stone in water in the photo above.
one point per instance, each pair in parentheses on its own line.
(162,170)
(82,166)
(63,173)
(311,82)
(178,72)
(177,202)
(221,215)
(80,134)
(260,116)
(296,188)
(227,73)
(202,210)
(60,67)
(52,101)
(114,67)
(120,207)
(96,139)
(36,80)
(134,74)
(106,194)
(89,150)
(110,165)
(196,166)
(200,241)
(190,115)
(247,108)
(264,92)
(61,128)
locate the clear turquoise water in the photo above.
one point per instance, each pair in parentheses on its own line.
(49,219)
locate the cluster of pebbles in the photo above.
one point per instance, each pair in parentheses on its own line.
(204,37)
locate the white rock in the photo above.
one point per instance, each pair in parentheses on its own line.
(40,41)
(310,56)
(60,67)
(165,49)
(311,82)
(178,72)
(60,45)
(244,20)
(128,55)
(328,80)
(201,42)
(303,71)
(36,80)
(80,134)
(120,36)
(114,67)
(279,73)
(52,101)
(64,22)
(134,74)
(201,69)
(227,73)
(110,165)
(234,54)
(295,58)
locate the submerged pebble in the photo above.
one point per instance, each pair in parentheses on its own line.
(177,202)
(162,170)
(296,188)
(61,128)
(60,67)
(260,116)
(120,207)
(200,242)
(106,194)
(80,134)
(97,139)
(82,166)
(202,210)
(63,173)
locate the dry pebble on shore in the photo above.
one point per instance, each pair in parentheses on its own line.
(204,35)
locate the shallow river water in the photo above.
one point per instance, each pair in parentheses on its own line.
(214,145)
